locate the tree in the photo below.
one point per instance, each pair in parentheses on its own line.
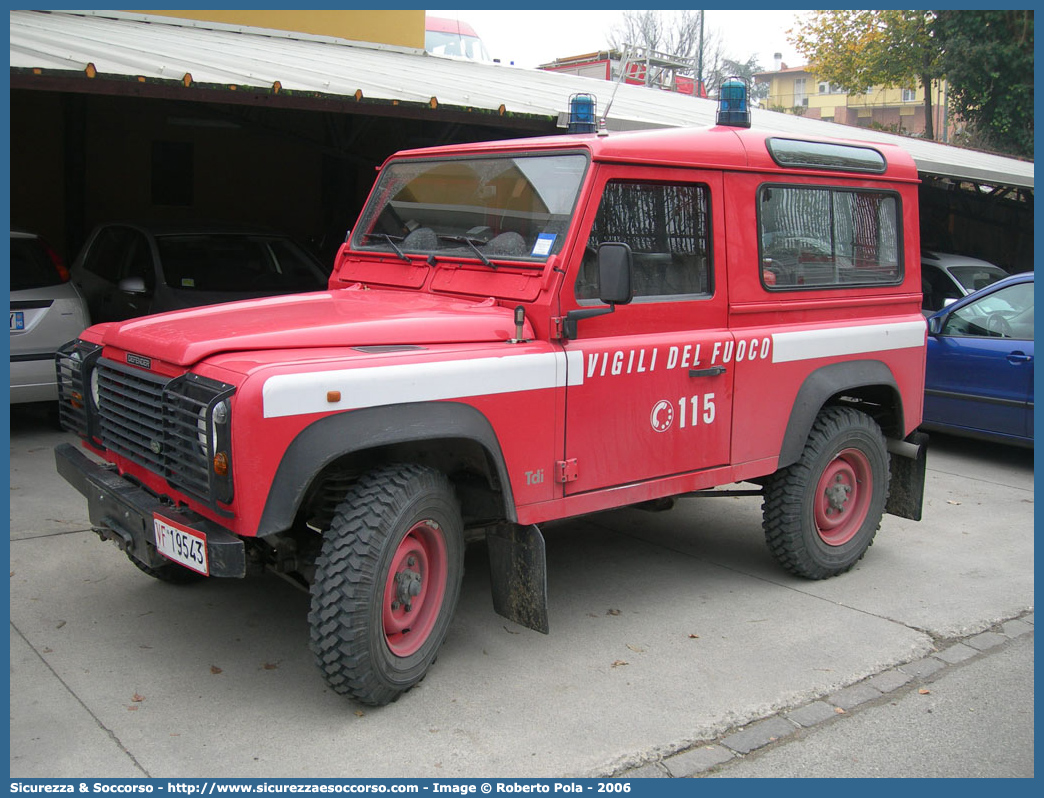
(680,34)
(676,33)
(859,49)
(988,58)
(746,70)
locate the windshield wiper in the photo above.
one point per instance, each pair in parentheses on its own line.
(471,243)
(392,244)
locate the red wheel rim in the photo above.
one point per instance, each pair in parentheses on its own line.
(414,589)
(842,498)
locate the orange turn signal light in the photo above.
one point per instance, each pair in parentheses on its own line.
(221,464)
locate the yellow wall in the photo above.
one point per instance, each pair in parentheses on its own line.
(781,93)
(402,28)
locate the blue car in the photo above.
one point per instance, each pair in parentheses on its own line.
(979,377)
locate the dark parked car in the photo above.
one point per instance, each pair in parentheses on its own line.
(979,380)
(126,270)
(946,277)
(46,312)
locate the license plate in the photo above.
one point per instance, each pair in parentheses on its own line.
(17,320)
(180,544)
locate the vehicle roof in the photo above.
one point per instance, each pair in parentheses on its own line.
(446,25)
(946,260)
(709,147)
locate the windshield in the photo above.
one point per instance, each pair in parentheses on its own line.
(459,45)
(975,277)
(232,262)
(515,207)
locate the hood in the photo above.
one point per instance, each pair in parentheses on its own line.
(347,317)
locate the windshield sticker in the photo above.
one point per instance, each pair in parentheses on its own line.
(543,245)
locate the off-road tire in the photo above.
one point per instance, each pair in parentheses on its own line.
(820,514)
(398,529)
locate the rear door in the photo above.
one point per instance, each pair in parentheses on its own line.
(650,385)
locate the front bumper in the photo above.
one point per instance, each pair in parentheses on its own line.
(123,512)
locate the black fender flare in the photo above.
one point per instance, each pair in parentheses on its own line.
(332,437)
(823,384)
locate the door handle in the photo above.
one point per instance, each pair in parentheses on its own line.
(1019,357)
(713,371)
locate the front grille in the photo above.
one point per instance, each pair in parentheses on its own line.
(164,425)
(130,408)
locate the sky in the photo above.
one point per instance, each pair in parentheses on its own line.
(531,38)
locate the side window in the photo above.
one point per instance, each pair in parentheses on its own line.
(107,254)
(667,226)
(824,237)
(1007,313)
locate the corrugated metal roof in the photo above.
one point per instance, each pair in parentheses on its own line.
(124,45)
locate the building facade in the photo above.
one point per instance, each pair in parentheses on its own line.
(797,90)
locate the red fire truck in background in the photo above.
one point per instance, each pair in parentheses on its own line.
(638,66)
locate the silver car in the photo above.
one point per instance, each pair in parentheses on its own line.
(46,312)
(946,278)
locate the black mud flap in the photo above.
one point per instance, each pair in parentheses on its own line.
(909,460)
(518,572)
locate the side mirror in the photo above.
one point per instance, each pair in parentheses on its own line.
(614,284)
(132,285)
(614,273)
(935,324)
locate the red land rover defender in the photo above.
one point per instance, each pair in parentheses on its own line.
(517,332)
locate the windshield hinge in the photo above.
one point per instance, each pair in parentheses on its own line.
(566,470)
(558,331)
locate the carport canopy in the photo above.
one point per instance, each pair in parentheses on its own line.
(112,52)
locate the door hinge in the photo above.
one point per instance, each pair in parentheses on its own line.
(566,470)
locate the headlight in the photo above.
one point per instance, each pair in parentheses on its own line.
(219,418)
(95,388)
(74,368)
(198,436)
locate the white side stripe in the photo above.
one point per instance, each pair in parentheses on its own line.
(837,341)
(299,394)
(575,368)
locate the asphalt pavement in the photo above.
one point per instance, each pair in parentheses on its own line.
(678,647)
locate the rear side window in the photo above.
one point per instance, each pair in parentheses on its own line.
(31,267)
(667,226)
(827,237)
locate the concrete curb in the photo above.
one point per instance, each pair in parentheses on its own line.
(709,756)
